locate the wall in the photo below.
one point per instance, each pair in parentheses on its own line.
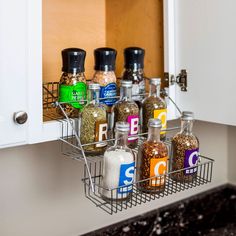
(232,154)
(41,192)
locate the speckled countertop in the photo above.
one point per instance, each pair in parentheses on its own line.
(210,213)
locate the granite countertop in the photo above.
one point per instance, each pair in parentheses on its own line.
(210,213)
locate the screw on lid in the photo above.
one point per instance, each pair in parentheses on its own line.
(73,60)
(153,122)
(94,86)
(134,58)
(187,115)
(155,81)
(122,126)
(126,83)
(105,59)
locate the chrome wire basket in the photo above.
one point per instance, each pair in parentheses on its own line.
(93,165)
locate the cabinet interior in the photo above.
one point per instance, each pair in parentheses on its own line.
(97,23)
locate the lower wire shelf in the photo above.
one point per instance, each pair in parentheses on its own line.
(114,204)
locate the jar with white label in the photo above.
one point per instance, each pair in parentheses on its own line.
(105,59)
(134,71)
(154,107)
(127,110)
(185,147)
(152,161)
(72,86)
(94,122)
(118,167)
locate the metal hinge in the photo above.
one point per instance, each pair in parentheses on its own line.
(180,79)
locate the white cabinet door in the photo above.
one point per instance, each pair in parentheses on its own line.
(13,70)
(205,45)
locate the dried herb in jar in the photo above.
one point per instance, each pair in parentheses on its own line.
(72,86)
(152,161)
(127,110)
(185,151)
(154,107)
(94,123)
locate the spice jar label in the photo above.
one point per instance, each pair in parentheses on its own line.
(133,130)
(69,93)
(158,167)
(108,91)
(191,160)
(126,177)
(100,133)
(162,115)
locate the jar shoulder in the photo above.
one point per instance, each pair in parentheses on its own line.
(155,102)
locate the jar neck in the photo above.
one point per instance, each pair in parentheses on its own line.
(121,139)
(186,127)
(73,74)
(154,90)
(154,134)
(126,93)
(93,96)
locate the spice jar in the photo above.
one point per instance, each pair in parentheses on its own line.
(72,85)
(94,122)
(152,160)
(185,151)
(104,74)
(118,166)
(134,65)
(154,107)
(127,110)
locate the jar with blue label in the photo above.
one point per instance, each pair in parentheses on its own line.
(185,147)
(118,167)
(105,59)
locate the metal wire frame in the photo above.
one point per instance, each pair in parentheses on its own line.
(71,146)
(113,204)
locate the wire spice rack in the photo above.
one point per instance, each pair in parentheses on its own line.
(93,165)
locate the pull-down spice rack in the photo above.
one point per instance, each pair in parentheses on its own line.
(71,147)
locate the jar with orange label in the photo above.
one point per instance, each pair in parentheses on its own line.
(154,107)
(152,160)
(94,122)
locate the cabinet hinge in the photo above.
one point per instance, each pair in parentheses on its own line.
(180,79)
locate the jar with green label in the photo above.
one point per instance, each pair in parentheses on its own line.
(72,86)
(154,107)
(94,122)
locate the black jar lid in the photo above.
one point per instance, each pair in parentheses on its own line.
(73,60)
(105,59)
(134,58)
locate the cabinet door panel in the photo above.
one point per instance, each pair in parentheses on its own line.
(13,70)
(205,45)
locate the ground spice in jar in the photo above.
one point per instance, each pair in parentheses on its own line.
(154,107)
(127,110)
(185,147)
(94,123)
(152,161)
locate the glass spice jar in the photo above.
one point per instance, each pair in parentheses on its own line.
(127,110)
(152,160)
(154,107)
(104,75)
(185,147)
(94,122)
(72,85)
(118,167)
(134,71)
